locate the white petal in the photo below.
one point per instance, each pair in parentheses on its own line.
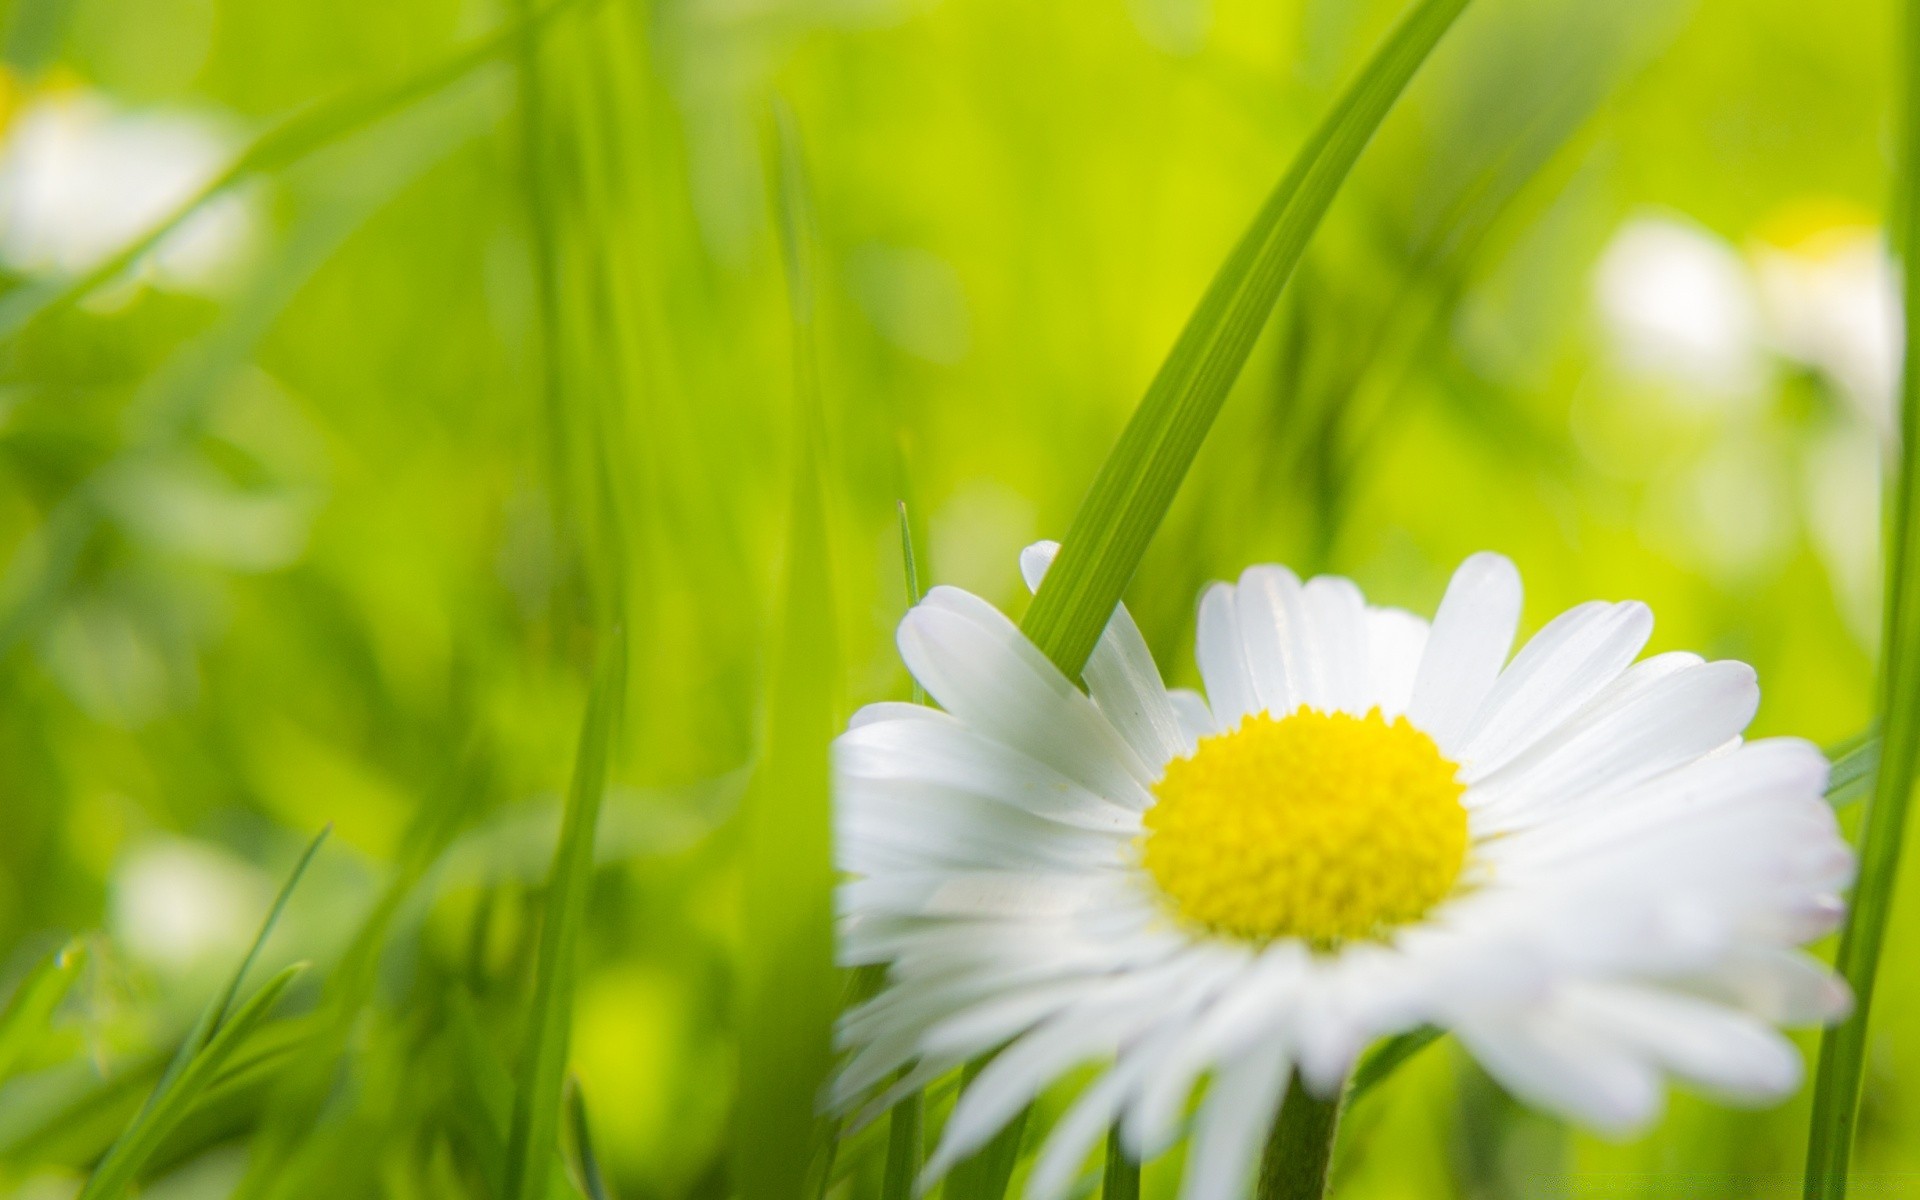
(1670,721)
(1561,668)
(1121,676)
(1544,1058)
(1276,631)
(1222,658)
(1714,1046)
(1471,635)
(1338,614)
(1196,719)
(981,669)
(1058,1165)
(1017,1074)
(1396,642)
(940,752)
(1233,1122)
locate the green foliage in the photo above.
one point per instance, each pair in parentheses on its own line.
(1136,484)
(28,1012)
(537,1101)
(519,355)
(789,990)
(223,1028)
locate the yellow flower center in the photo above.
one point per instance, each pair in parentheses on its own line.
(1320,826)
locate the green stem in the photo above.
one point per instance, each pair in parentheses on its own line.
(1843,1048)
(1301,1146)
(1122,1178)
(903,1148)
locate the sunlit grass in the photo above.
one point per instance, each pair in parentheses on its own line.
(577,353)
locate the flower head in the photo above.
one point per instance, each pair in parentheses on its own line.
(1570,861)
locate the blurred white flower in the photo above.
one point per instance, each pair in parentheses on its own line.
(178,903)
(1832,303)
(1678,305)
(80,177)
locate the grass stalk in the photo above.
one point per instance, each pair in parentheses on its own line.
(1836,1097)
(533,1139)
(1137,483)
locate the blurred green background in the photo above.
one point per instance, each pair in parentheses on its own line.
(313,514)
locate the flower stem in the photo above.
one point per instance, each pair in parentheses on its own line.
(1122,1178)
(1300,1147)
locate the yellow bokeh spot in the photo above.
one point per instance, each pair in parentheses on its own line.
(1320,826)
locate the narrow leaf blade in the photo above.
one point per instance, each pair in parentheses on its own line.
(533,1140)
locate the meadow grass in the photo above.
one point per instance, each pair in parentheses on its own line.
(567,342)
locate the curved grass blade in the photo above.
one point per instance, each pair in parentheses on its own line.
(533,1139)
(198,1063)
(24,1021)
(1853,770)
(1389,1057)
(985,1174)
(294,138)
(583,1162)
(789,992)
(181,1089)
(1137,483)
(1836,1095)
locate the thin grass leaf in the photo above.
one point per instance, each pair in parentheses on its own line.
(583,1163)
(30,1010)
(181,1089)
(1836,1094)
(533,1139)
(1389,1057)
(1137,483)
(984,1175)
(789,987)
(1853,769)
(202,1054)
(292,139)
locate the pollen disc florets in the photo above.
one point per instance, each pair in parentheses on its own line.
(1320,826)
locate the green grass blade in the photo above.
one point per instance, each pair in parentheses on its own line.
(24,1021)
(585,1163)
(180,1089)
(296,137)
(1138,481)
(1136,485)
(984,1175)
(533,1139)
(789,987)
(1836,1094)
(905,1132)
(1389,1057)
(1853,770)
(206,1047)
(907,1122)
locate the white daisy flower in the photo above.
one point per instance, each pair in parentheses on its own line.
(1570,861)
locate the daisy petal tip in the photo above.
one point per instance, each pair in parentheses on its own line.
(1490,567)
(1034,561)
